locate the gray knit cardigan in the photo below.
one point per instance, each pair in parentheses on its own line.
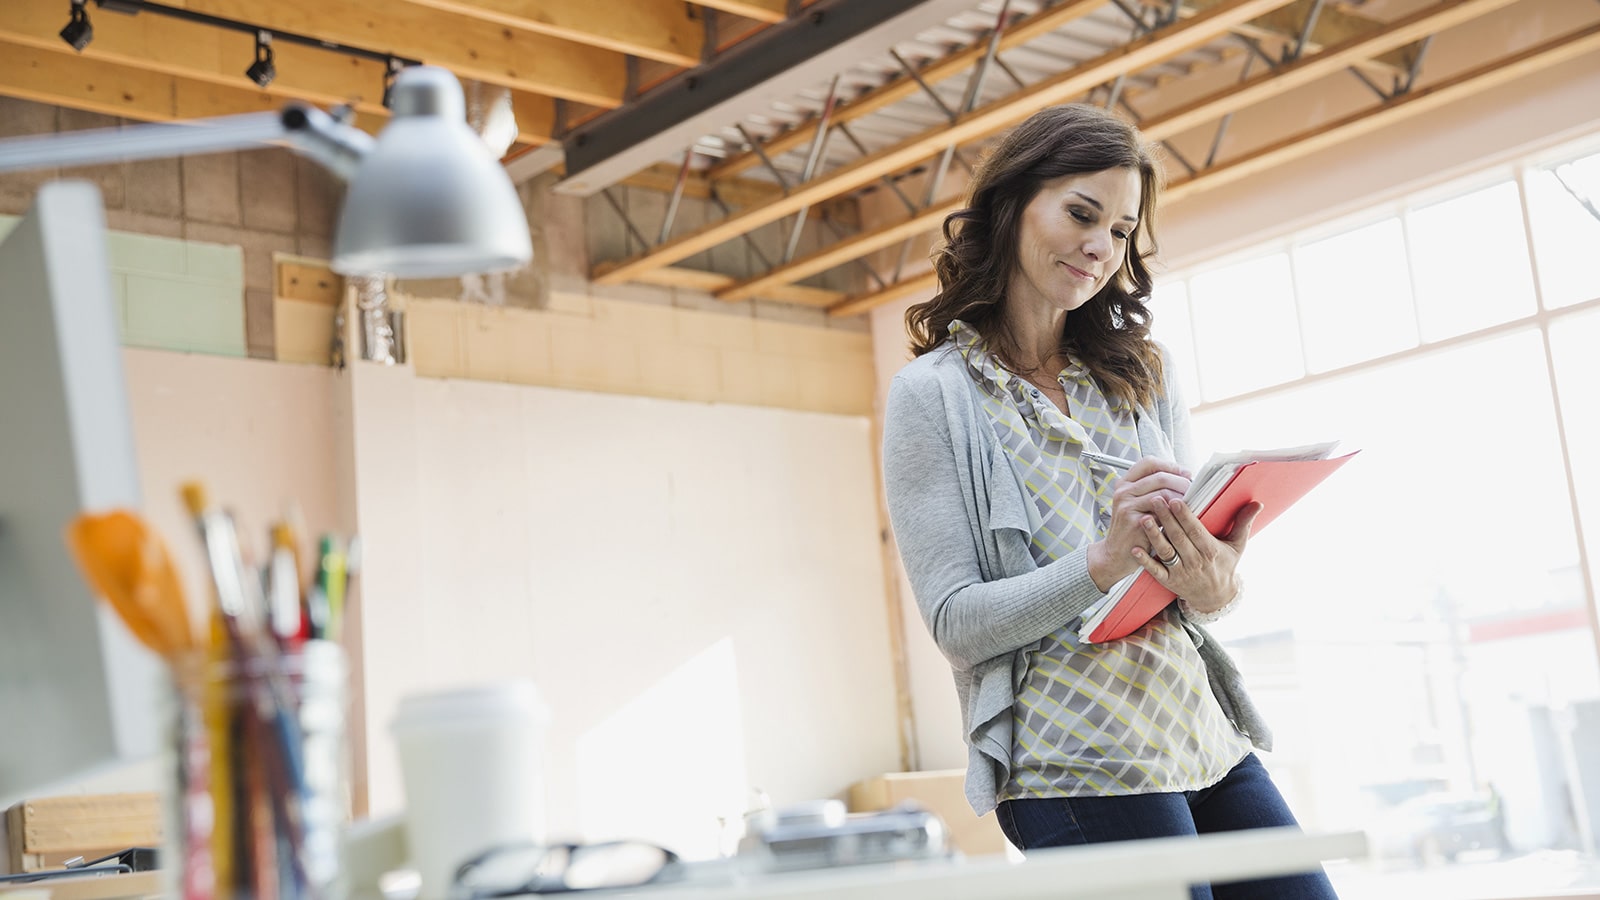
(960,517)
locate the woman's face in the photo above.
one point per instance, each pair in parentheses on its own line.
(1073,238)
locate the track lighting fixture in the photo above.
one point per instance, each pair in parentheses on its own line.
(262,71)
(78,32)
(391,69)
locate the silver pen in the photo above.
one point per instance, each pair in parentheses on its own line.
(1115,462)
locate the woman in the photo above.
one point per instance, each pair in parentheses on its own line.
(1035,356)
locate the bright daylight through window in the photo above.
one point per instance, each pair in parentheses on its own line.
(1424,637)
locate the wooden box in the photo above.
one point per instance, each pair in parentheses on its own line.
(45,832)
(941,792)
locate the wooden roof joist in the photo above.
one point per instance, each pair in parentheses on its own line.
(853,247)
(663,177)
(905,287)
(1413,103)
(711,282)
(661,30)
(768,11)
(1458,87)
(1146,51)
(1419,24)
(1333,26)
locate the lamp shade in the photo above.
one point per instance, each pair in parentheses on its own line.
(429,200)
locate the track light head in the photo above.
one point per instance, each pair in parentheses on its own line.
(262,71)
(390,71)
(78,32)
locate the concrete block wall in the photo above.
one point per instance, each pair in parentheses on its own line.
(594,342)
(260,202)
(173,294)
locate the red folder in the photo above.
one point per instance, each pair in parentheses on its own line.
(1275,484)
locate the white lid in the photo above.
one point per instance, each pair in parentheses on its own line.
(498,702)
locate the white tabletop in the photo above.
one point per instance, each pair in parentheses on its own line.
(1160,869)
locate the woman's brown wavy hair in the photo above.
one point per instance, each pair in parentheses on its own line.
(1111,333)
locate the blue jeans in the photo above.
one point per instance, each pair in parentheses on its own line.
(1244,798)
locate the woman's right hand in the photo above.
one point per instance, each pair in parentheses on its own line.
(1137,496)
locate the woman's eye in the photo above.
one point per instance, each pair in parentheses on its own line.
(1082,216)
(1120,235)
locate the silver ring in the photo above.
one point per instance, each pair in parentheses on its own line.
(1170,561)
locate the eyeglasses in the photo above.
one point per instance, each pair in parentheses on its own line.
(563,868)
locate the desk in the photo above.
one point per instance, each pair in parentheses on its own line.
(1159,869)
(130,886)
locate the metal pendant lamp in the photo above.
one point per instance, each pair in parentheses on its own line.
(429,200)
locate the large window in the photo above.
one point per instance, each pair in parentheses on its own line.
(1422,630)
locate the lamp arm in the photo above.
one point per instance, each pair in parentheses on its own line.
(318,136)
(304,128)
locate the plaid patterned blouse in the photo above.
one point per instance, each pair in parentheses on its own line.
(1133,716)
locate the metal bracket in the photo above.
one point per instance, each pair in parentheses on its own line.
(761,154)
(611,199)
(812,158)
(1290,54)
(886,180)
(926,88)
(677,195)
(1371,85)
(1404,87)
(1167,145)
(974,93)
(1222,126)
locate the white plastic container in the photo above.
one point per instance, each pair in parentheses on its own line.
(471,762)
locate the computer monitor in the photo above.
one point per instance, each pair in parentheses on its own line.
(77,693)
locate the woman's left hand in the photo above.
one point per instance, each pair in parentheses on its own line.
(1188,560)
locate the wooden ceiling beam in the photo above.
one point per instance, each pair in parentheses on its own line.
(131,92)
(855,306)
(1334,26)
(663,177)
(1405,30)
(711,282)
(536,117)
(1003,113)
(471,48)
(768,11)
(1464,85)
(1034,26)
(192,51)
(853,247)
(1409,105)
(652,29)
